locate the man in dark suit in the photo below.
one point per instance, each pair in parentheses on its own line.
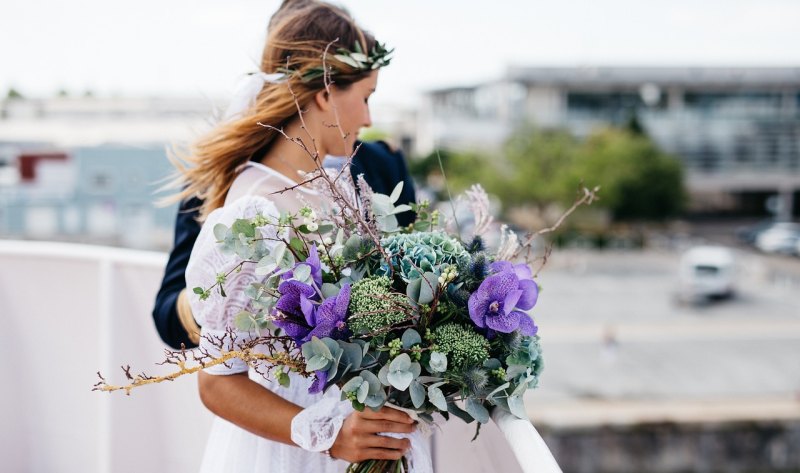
(382,168)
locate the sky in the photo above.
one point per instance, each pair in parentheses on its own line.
(201,48)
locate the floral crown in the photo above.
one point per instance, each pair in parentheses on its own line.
(378,57)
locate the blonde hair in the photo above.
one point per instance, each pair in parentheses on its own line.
(297,40)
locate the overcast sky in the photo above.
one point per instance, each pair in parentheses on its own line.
(202,47)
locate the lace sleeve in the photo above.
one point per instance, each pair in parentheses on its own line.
(216,314)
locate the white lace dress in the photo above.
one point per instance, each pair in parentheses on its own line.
(230,448)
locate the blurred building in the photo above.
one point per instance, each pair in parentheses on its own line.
(87,169)
(737,130)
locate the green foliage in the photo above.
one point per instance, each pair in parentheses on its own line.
(462,345)
(374,306)
(638,181)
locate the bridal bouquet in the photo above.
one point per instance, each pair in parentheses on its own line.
(418,318)
(413,317)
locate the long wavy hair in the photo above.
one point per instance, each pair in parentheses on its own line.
(299,35)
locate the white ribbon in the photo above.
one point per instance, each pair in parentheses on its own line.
(247,90)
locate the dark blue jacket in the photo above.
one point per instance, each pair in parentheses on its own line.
(382,169)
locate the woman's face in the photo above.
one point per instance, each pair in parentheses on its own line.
(350,111)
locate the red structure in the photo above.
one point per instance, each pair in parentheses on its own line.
(29,161)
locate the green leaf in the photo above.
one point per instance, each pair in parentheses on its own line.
(417,394)
(372,380)
(436,396)
(353,384)
(496,390)
(401,362)
(244,227)
(363,391)
(198,290)
(297,244)
(329,290)
(400,380)
(428,286)
(517,407)
(352,354)
(244,321)
(476,409)
(413,289)
(220,231)
(302,272)
(410,338)
(458,412)
(325,228)
(316,363)
(422,226)
(383,375)
(283,379)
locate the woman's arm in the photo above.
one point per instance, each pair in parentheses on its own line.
(238,399)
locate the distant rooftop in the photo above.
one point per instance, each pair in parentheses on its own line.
(635,76)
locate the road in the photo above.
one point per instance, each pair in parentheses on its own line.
(612,331)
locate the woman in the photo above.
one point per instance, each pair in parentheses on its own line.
(236,170)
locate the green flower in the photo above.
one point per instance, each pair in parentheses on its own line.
(462,345)
(374,306)
(414,254)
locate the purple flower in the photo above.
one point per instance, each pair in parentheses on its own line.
(328,319)
(493,306)
(523,272)
(321,378)
(313,263)
(292,311)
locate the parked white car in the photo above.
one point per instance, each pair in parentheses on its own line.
(706,272)
(781,237)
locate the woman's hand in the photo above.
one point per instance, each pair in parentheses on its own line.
(358,439)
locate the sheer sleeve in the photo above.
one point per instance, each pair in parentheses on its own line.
(216,314)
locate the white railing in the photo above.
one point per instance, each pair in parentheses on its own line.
(69,311)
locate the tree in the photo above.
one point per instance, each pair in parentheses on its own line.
(638,181)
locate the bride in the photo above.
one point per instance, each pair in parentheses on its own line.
(238,169)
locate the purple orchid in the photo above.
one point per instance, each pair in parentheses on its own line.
(292,309)
(494,305)
(295,311)
(320,379)
(328,319)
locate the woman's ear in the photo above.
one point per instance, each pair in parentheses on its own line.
(322,99)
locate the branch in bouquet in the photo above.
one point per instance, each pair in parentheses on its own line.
(279,354)
(588,197)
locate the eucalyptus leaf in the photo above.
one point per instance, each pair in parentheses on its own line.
(517,407)
(417,392)
(352,385)
(428,286)
(220,231)
(476,409)
(436,396)
(400,379)
(329,290)
(453,408)
(363,391)
(383,375)
(410,338)
(244,321)
(496,390)
(372,380)
(302,272)
(317,363)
